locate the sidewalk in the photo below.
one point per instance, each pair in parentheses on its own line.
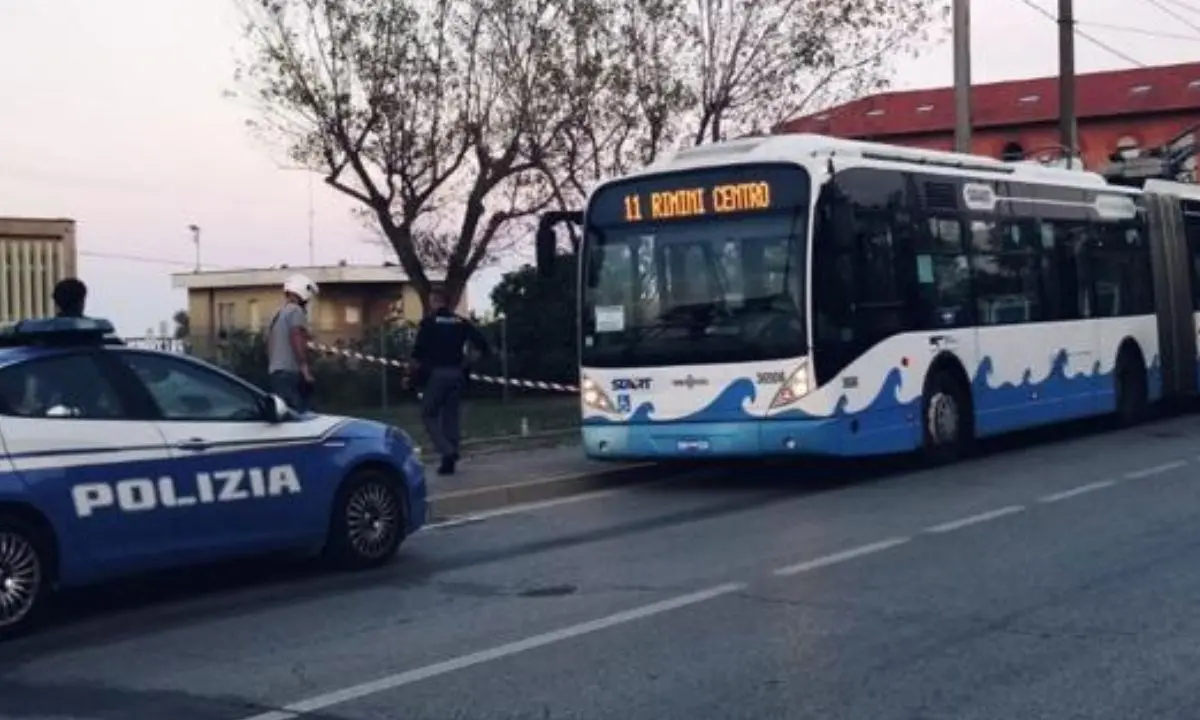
(497,479)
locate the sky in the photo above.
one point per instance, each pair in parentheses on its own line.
(115,115)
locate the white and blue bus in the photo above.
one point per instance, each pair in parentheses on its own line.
(799,294)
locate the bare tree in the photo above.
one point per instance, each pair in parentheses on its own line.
(687,72)
(427,112)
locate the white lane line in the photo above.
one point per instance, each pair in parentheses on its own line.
(1156,470)
(409,677)
(838,557)
(1076,491)
(521,508)
(975,519)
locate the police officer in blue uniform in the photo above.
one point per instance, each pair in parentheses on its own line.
(441,371)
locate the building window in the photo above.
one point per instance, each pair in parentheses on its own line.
(225,316)
(1029,99)
(255,316)
(353,315)
(1012,152)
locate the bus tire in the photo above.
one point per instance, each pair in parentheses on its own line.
(1131,388)
(945,418)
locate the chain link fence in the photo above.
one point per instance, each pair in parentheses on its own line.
(367,388)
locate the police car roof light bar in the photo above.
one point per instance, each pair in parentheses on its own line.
(59,331)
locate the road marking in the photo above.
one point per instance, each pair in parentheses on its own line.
(1077,491)
(1156,470)
(975,519)
(540,481)
(522,507)
(409,677)
(838,557)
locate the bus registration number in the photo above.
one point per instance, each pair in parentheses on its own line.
(693,445)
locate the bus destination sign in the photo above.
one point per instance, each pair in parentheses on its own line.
(705,193)
(692,202)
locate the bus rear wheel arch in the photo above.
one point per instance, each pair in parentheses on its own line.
(947,412)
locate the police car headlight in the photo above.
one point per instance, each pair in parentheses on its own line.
(795,387)
(594,397)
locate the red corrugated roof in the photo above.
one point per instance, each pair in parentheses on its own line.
(1019,102)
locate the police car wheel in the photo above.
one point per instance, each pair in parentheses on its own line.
(368,521)
(22,576)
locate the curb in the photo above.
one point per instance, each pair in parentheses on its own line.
(443,506)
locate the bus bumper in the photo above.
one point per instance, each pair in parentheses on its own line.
(830,437)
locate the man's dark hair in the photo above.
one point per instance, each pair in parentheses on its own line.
(70,294)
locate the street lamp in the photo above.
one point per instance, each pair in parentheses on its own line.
(196,241)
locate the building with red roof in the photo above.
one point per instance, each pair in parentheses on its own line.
(1117,111)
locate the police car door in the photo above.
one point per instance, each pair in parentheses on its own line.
(243,478)
(87,461)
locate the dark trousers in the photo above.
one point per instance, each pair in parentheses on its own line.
(290,387)
(441,408)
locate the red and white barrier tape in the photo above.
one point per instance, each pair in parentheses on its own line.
(391,362)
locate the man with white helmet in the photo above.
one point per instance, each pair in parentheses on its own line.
(287,343)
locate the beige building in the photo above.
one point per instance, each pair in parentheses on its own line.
(34,255)
(352,299)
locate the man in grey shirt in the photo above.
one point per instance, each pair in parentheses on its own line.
(290,376)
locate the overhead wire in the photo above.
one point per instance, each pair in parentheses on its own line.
(148,259)
(1086,36)
(1183,5)
(1175,14)
(1139,31)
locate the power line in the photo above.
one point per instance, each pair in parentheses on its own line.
(1139,31)
(1175,14)
(1098,43)
(150,260)
(1184,5)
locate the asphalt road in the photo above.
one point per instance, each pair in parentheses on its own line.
(1058,581)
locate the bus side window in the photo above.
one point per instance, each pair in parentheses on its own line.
(1191,231)
(1120,260)
(943,275)
(1067,284)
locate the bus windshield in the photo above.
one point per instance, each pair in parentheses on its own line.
(698,292)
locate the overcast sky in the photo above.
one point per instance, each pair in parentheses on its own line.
(113,115)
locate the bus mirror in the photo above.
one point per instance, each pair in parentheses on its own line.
(546,245)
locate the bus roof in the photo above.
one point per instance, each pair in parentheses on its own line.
(817,150)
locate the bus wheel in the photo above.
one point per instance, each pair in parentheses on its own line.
(1131,390)
(946,419)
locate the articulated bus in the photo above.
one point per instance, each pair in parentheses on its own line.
(799,294)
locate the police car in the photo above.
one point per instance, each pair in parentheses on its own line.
(116,461)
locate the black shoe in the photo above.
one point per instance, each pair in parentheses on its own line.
(447,466)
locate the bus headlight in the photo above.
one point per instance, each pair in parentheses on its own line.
(594,397)
(795,387)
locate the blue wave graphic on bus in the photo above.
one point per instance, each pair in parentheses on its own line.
(1057,388)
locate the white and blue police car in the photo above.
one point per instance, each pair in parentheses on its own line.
(117,461)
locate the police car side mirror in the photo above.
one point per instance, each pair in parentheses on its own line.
(277,409)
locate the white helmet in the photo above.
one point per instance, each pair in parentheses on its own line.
(301,286)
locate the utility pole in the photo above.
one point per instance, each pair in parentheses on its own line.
(196,241)
(962,76)
(312,250)
(1068,130)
